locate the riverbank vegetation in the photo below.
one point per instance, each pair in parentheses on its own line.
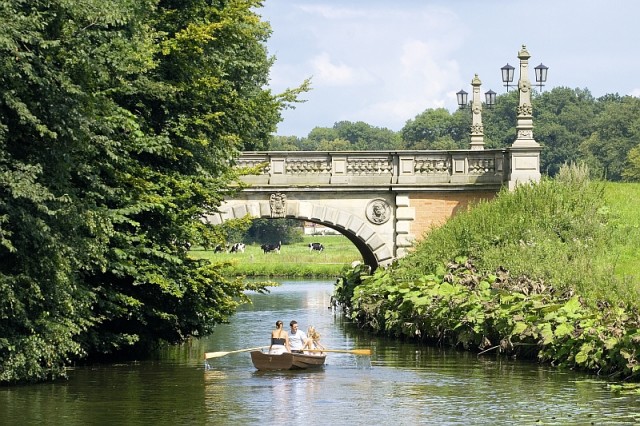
(293,260)
(547,270)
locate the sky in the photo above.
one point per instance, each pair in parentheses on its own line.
(386,61)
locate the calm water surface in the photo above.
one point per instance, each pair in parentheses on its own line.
(400,384)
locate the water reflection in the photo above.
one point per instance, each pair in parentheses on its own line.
(400,384)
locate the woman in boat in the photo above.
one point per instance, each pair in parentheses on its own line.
(279,340)
(313,339)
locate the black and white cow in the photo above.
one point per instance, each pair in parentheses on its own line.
(237,248)
(271,247)
(316,247)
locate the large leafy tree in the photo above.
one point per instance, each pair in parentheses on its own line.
(119,124)
(284,143)
(632,171)
(437,129)
(351,136)
(564,118)
(363,136)
(499,121)
(272,231)
(616,133)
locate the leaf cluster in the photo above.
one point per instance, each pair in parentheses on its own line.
(459,306)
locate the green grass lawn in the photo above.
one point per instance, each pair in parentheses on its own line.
(295,260)
(624,201)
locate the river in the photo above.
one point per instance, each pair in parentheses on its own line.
(400,383)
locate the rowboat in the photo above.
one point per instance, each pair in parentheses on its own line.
(286,361)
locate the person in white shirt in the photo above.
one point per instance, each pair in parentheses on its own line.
(297,338)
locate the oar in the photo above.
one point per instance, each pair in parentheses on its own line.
(346,351)
(208,355)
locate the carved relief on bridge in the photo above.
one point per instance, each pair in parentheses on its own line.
(378,211)
(277,203)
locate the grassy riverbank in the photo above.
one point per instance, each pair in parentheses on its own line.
(294,260)
(624,201)
(577,235)
(547,271)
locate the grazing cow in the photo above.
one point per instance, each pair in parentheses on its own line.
(218,249)
(271,247)
(237,248)
(316,247)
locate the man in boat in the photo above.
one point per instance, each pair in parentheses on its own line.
(297,338)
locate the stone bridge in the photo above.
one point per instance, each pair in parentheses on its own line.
(383,201)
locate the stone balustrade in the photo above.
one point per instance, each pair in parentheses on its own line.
(377,168)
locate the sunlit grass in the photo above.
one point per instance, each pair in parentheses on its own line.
(624,201)
(573,234)
(295,260)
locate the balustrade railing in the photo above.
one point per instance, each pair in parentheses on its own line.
(377,167)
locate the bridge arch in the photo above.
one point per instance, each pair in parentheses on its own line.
(373,247)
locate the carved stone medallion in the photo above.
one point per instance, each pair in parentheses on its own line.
(378,211)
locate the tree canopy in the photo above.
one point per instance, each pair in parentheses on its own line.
(570,124)
(119,124)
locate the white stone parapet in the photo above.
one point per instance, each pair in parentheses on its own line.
(377,168)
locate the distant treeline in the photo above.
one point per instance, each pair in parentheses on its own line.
(570,124)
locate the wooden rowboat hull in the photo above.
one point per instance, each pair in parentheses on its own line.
(286,361)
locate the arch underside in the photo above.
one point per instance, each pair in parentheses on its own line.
(373,248)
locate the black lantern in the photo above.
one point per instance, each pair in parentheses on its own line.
(462,98)
(507,75)
(490,98)
(541,75)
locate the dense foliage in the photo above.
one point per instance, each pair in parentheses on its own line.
(570,124)
(119,122)
(530,273)
(460,306)
(559,231)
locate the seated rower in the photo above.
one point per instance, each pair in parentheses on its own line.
(297,339)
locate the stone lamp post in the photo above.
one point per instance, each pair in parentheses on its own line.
(525,151)
(477,129)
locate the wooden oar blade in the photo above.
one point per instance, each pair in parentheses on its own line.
(344,351)
(208,355)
